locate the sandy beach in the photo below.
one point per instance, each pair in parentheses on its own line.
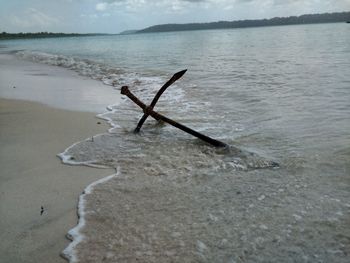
(32,176)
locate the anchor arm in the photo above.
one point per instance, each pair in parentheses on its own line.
(174,78)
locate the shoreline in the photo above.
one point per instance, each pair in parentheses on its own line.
(35,128)
(53,86)
(33,176)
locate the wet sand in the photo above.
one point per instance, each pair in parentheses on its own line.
(31,175)
(54,86)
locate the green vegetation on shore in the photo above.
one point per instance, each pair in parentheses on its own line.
(276,21)
(5,35)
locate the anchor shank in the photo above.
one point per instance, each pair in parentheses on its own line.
(186,129)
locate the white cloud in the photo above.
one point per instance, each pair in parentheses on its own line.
(101,6)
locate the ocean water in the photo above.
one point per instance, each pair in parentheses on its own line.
(274,95)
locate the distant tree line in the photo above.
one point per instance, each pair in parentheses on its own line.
(21,35)
(276,21)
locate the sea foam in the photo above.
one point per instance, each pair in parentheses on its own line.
(75,234)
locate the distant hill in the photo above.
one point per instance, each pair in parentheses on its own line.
(5,35)
(276,21)
(128,32)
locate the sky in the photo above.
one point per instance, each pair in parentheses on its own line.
(114,16)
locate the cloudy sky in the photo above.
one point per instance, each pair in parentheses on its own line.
(114,16)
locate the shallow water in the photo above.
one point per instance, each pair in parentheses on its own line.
(275,94)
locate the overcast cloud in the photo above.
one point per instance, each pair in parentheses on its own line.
(113,16)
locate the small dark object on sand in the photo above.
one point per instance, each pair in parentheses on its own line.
(14,87)
(42,210)
(98,122)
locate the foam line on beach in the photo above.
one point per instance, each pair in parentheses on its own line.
(111,109)
(75,233)
(68,159)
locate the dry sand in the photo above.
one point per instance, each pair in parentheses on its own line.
(31,175)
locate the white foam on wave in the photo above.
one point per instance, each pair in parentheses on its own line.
(68,159)
(84,67)
(145,86)
(75,234)
(110,109)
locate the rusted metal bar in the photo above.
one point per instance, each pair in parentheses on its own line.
(149,111)
(174,78)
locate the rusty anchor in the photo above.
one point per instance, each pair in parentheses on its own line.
(148,111)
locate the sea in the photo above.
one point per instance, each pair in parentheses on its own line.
(279,97)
